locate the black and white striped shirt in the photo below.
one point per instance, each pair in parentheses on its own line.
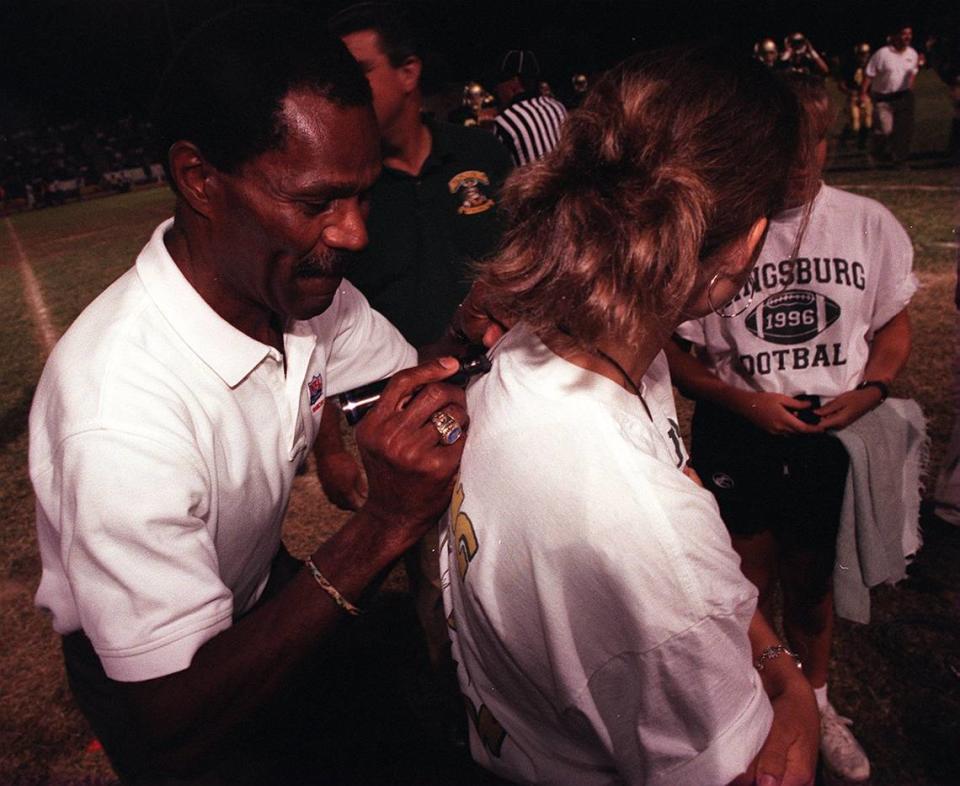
(530,127)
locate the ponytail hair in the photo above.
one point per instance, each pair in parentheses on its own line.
(672,155)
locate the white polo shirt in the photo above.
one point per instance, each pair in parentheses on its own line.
(163,447)
(890,70)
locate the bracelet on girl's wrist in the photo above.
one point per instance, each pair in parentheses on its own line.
(772,653)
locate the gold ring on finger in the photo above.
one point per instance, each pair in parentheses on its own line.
(447,426)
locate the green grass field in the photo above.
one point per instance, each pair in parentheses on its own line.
(76,250)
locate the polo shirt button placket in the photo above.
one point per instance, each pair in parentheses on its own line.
(276,380)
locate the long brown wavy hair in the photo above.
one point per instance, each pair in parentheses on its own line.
(673,154)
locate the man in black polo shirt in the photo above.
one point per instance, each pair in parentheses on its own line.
(432,211)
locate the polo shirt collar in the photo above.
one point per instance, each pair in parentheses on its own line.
(442,146)
(231,353)
(441,150)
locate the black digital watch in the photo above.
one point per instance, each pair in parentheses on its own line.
(876,383)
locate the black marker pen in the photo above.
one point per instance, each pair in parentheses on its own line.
(357,402)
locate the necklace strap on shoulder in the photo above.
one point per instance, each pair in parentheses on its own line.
(627,378)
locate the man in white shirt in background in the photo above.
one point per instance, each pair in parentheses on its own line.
(888,80)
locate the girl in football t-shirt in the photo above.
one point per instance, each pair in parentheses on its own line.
(810,344)
(602,629)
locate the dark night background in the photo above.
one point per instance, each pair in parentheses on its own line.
(65,59)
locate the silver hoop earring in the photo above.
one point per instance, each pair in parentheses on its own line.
(720,312)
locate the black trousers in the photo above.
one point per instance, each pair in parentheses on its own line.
(898,109)
(366,709)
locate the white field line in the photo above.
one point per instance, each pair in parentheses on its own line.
(34,295)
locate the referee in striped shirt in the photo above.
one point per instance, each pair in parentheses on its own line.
(529,123)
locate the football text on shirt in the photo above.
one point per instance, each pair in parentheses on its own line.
(796,316)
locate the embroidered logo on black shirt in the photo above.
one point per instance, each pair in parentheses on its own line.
(468,186)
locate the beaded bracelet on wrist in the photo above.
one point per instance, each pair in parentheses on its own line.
(772,653)
(332,591)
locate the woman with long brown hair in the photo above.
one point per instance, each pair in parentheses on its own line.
(602,628)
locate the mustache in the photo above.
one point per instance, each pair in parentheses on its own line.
(333,263)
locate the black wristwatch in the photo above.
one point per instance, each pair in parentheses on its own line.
(876,383)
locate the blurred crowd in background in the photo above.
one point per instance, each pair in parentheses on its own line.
(46,164)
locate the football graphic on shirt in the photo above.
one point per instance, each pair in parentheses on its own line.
(792,317)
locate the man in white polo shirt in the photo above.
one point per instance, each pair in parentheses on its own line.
(171,418)
(888,80)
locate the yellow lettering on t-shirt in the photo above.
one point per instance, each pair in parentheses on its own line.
(463,533)
(491,733)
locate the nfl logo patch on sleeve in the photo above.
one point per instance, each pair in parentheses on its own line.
(315,388)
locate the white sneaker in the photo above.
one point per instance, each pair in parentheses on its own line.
(841,752)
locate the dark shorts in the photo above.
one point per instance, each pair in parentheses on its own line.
(791,486)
